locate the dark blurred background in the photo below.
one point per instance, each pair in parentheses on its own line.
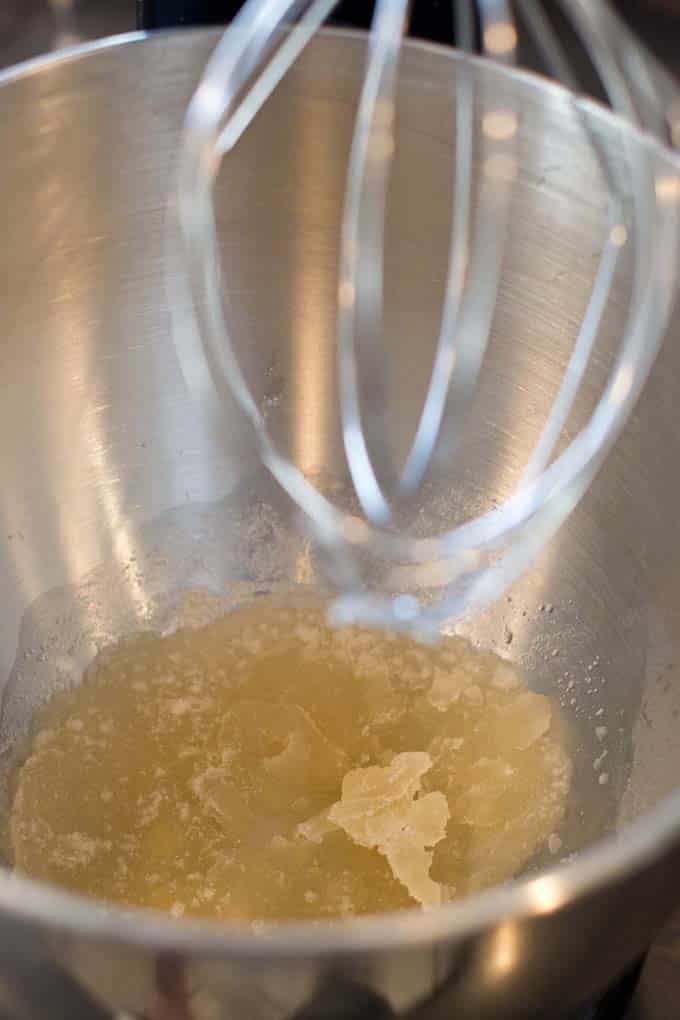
(29,27)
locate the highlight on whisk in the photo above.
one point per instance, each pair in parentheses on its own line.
(386,569)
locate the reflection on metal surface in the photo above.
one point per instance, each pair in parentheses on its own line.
(674,119)
(346,295)
(120,532)
(500,125)
(501,167)
(500,39)
(505,951)
(618,235)
(66,28)
(546,894)
(668,188)
(170,999)
(64,39)
(622,384)
(314,390)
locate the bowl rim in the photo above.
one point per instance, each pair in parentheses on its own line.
(610,860)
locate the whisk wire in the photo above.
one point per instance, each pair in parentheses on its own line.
(272,73)
(360,294)
(474,562)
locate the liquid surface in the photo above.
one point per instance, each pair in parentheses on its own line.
(266,766)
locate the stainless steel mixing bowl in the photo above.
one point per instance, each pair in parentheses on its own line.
(118,492)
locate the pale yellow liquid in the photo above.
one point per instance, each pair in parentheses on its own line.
(266,766)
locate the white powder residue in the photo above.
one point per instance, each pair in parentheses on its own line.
(77,850)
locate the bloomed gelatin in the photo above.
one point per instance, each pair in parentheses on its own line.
(266,766)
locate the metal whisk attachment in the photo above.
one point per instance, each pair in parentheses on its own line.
(475,562)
